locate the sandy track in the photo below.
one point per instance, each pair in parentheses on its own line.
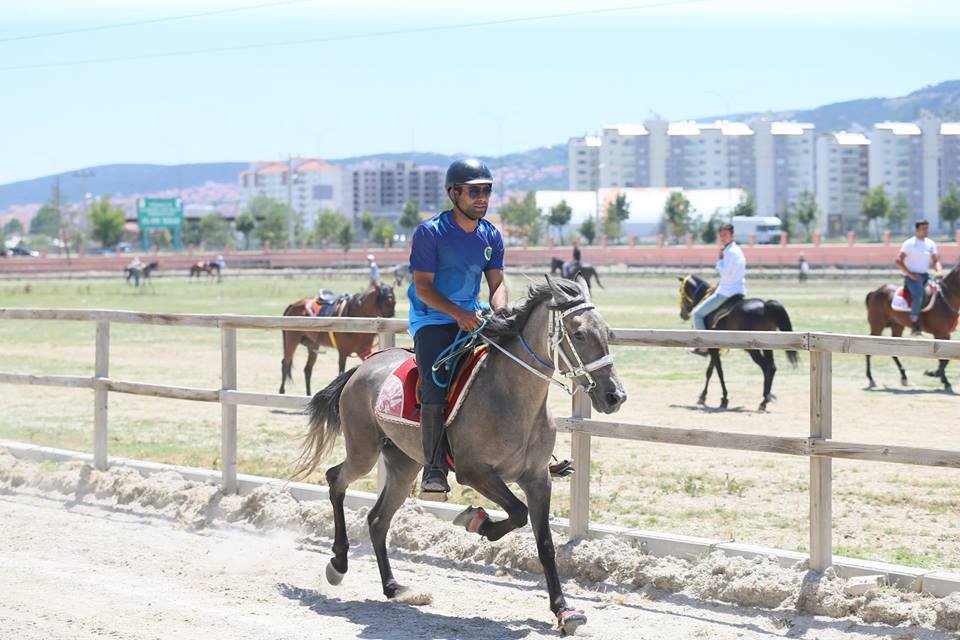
(143,562)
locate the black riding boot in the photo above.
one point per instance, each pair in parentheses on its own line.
(434,485)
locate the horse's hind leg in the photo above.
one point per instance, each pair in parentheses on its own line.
(896,331)
(401,472)
(706,385)
(715,358)
(308,368)
(764,360)
(338,479)
(537,488)
(489,485)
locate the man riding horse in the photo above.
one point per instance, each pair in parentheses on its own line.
(914,260)
(732,265)
(448,253)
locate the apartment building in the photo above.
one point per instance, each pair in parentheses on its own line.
(717,155)
(785,160)
(896,161)
(950,156)
(583,162)
(309,185)
(625,156)
(384,187)
(842,180)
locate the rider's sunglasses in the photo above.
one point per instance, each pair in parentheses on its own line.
(475,192)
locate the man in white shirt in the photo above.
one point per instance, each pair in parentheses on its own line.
(916,256)
(374,271)
(732,266)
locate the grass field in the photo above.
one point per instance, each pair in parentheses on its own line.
(887,512)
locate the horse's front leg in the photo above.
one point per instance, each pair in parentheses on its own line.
(715,358)
(485,480)
(940,372)
(537,488)
(706,385)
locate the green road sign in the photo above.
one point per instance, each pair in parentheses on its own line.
(154,213)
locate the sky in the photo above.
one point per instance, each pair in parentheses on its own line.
(262,79)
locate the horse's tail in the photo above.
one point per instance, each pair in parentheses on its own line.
(324,412)
(782,318)
(597,277)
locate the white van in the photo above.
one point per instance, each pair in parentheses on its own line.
(764,229)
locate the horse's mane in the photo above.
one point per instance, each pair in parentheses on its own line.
(509,322)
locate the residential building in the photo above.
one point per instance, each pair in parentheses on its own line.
(950,156)
(896,162)
(308,185)
(717,155)
(842,180)
(785,154)
(583,163)
(383,188)
(625,156)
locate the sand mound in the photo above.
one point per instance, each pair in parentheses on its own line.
(610,562)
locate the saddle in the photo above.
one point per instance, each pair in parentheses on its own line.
(327,303)
(724,310)
(902,300)
(398,398)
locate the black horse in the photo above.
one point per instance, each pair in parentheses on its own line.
(572,268)
(136,274)
(746,314)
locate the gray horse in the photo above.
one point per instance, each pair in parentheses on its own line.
(503,432)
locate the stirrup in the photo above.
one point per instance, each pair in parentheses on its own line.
(433,486)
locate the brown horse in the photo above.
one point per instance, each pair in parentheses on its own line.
(376,302)
(210,268)
(940,321)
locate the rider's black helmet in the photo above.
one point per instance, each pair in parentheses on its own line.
(469,171)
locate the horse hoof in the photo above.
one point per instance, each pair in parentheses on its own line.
(702,400)
(724,403)
(903,381)
(762,408)
(334,577)
(569,620)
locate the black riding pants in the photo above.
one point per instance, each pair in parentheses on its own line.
(428,342)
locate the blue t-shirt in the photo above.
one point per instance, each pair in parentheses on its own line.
(457,259)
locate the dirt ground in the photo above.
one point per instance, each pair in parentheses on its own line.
(86,554)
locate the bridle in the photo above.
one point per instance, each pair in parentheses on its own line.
(689,298)
(557,336)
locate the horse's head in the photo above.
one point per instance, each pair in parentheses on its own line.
(386,301)
(584,346)
(692,290)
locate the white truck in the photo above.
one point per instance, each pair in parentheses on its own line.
(764,229)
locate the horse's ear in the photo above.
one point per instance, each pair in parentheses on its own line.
(559,295)
(680,278)
(584,286)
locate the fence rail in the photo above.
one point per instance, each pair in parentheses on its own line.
(818,444)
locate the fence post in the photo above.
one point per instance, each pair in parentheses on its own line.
(821,481)
(387,340)
(228,411)
(101,370)
(580,483)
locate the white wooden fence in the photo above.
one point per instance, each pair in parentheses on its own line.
(818,445)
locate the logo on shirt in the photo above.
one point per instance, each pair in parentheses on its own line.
(488,253)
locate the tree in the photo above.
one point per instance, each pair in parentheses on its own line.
(106,221)
(709,231)
(410,217)
(618,211)
(805,212)
(559,217)
(328,225)
(875,206)
(345,235)
(190,233)
(46,222)
(214,229)
(950,206)
(13,227)
(588,230)
(676,212)
(245,223)
(273,223)
(524,216)
(383,232)
(746,206)
(899,213)
(366,222)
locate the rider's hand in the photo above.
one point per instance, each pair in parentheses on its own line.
(468,320)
